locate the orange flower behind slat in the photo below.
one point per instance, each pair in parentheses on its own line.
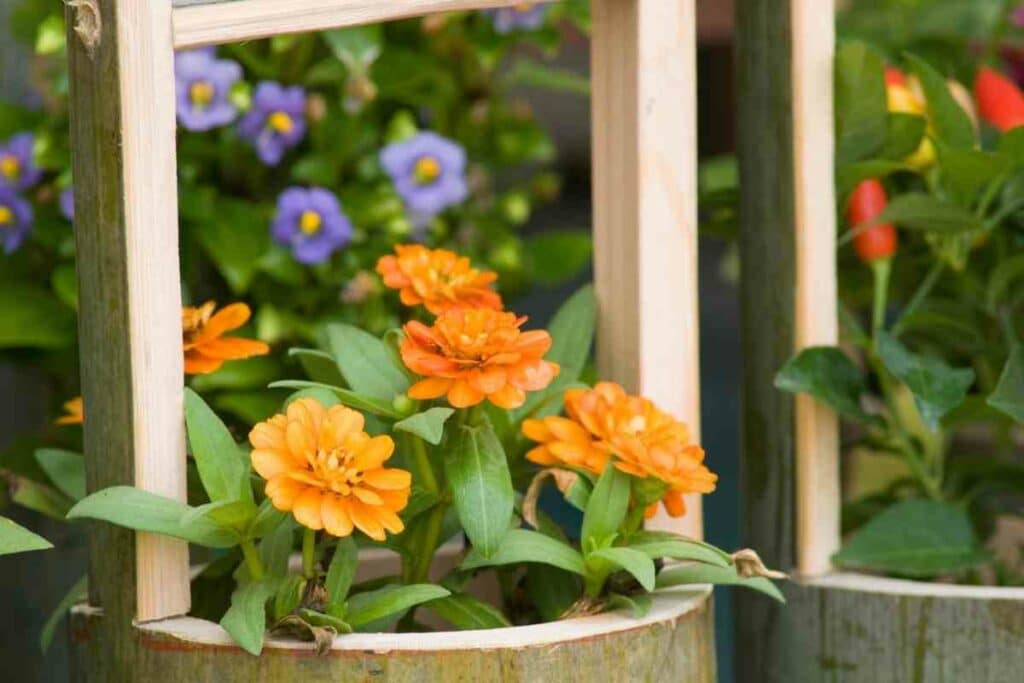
(74,413)
(641,440)
(321,466)
(437,278)
(475,354)
(202,332)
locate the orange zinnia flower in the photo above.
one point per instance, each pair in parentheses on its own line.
(474,354)
(73,413)
(323,468)
(202,332)
(437,278)
(643,441)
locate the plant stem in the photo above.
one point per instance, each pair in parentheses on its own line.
(430,541)
(309,553)
(922,291)
(423,464)
(882,269)
(252,560)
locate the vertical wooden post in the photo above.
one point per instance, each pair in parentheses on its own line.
(126,225)
(787,246)
(643,56)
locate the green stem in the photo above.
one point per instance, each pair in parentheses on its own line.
(252,559)
(882,269)
(309,553)
(431,540)
(919,295)
(423,464)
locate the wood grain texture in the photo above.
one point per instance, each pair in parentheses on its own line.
(855,629)
(209,22)
(674,644)
(643,69)
(816,316)
(767,311)
(122,133)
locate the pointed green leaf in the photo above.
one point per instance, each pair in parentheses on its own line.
(428,425)
(633,561)
(276,548)
(246,619)
(346,397)
(952,124)
(861,112)
(1008,396)
(76,594)
(340,574)
(266,520)
(639,604)
(365,608)
(827,374)
(65,469)
(225,475)
(665,544)
(607,506)
(318,365)
(15,538)
(231,514)
(697,573)
(467,613)
(523,545)
(923,212)
(937,387)
(365,363)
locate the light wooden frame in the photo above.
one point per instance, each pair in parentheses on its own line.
(123,137)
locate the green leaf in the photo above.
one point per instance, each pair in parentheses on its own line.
(1008,395)
(481,485)
(827,374)
(266,520)
(288,595)
(952,124)
(639,604)
(65,285)
(937,387)
(661,544)
(245,373)
(235,237)
(633,561)
(903,136)
(76,594)
(366,363)
(551,590)
(364,608)
(246,619)
(143,511)
(340,574)
(718,576)
(318,365)
(39,497)
(325,621)
(1004,276)
(848,176)
(607,506)
(428,425)
(523,545)
(17,539)
(467,613)
(572,335)
(1011,144)
(916,538)
(966,171)
(578,494)
(349,398)
(230,514)
(919,211)
(534,74)
(861,113)
(225,475)
(276,548)
(32,317)
(65,469)
(554,257)
(356,46)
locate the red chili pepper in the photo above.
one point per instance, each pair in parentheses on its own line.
(867,202)
(1000,101)
(894,76)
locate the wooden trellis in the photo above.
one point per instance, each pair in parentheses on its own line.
(645,206)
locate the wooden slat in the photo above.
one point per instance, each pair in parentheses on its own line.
(126,229)
(816,318)
(643,56)
(209,22)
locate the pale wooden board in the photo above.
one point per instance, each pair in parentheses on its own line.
(126,225)
(217,21)
(816,319)
(643,55)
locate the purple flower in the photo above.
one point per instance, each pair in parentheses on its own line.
(203,84)
(15,219)
(67,203)
(18,170)
(276,122)
(1017,16)
(311,222)
(526,16)
(429,173)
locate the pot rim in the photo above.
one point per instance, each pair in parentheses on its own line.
(889,586)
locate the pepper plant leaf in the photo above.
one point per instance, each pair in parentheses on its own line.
(1008,396)
(827,374)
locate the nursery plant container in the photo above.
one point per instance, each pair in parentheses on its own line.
(848,628)
(122,112)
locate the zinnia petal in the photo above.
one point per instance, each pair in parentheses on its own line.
(334,512)
(307,509)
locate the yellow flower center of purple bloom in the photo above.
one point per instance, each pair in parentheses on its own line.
(280,122)
(523,7)
(6,215)
(310,222)
(10,167)
(427,170)
(201,93)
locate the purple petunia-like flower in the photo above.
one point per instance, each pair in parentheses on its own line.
(310,222)
(66,200)
(429,174)
(526,16)
(276,122)
(203,84)
(15,219)
(18,170)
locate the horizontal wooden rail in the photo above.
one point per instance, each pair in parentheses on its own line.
(210,22)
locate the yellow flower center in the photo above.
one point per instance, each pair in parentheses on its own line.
(334,468)
(201,93)
(6,215)
(281,122)
(427,170)
(194,319)
(10,167)
(524,7)
(637,424)
(310,222)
